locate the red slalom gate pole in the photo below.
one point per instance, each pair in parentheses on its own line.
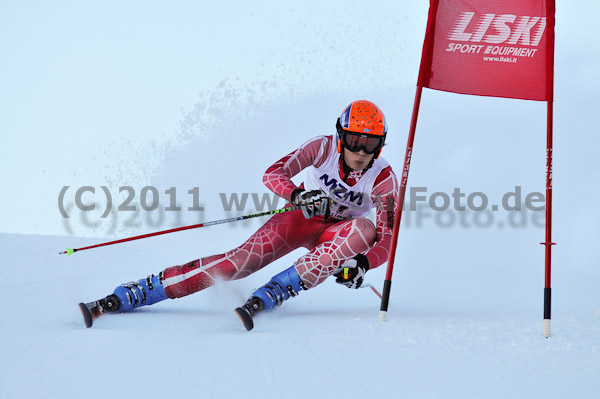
(69,251)
(387,284)
(548,243)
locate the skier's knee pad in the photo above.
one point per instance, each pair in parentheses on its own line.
(281,287)
(146,291)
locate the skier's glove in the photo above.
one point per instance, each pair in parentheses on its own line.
(351,274)
(312,203)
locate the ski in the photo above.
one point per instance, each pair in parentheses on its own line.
(245,317)
(90,312)
(247,311)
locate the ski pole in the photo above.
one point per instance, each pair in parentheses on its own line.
(375,290)
(69,251)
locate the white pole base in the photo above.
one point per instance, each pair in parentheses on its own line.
(382,316)
(547,328)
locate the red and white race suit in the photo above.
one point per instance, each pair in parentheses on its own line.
(330,242)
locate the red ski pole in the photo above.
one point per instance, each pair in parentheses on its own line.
(375,290)
(69,251)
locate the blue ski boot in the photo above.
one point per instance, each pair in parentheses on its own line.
(126,297)
(281,287)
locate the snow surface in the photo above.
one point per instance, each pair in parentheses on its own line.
(325,343)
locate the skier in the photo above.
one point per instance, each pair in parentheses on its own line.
(345,179)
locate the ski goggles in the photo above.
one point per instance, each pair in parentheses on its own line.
(359,141)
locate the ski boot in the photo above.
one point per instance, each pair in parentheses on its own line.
(126,297)
(281,287)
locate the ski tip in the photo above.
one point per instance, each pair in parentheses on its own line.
(245,317)
(87,315)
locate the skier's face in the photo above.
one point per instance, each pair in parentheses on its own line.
(357,160)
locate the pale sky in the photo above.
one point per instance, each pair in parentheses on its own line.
(108,93)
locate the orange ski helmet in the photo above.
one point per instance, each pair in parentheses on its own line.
(361,126)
